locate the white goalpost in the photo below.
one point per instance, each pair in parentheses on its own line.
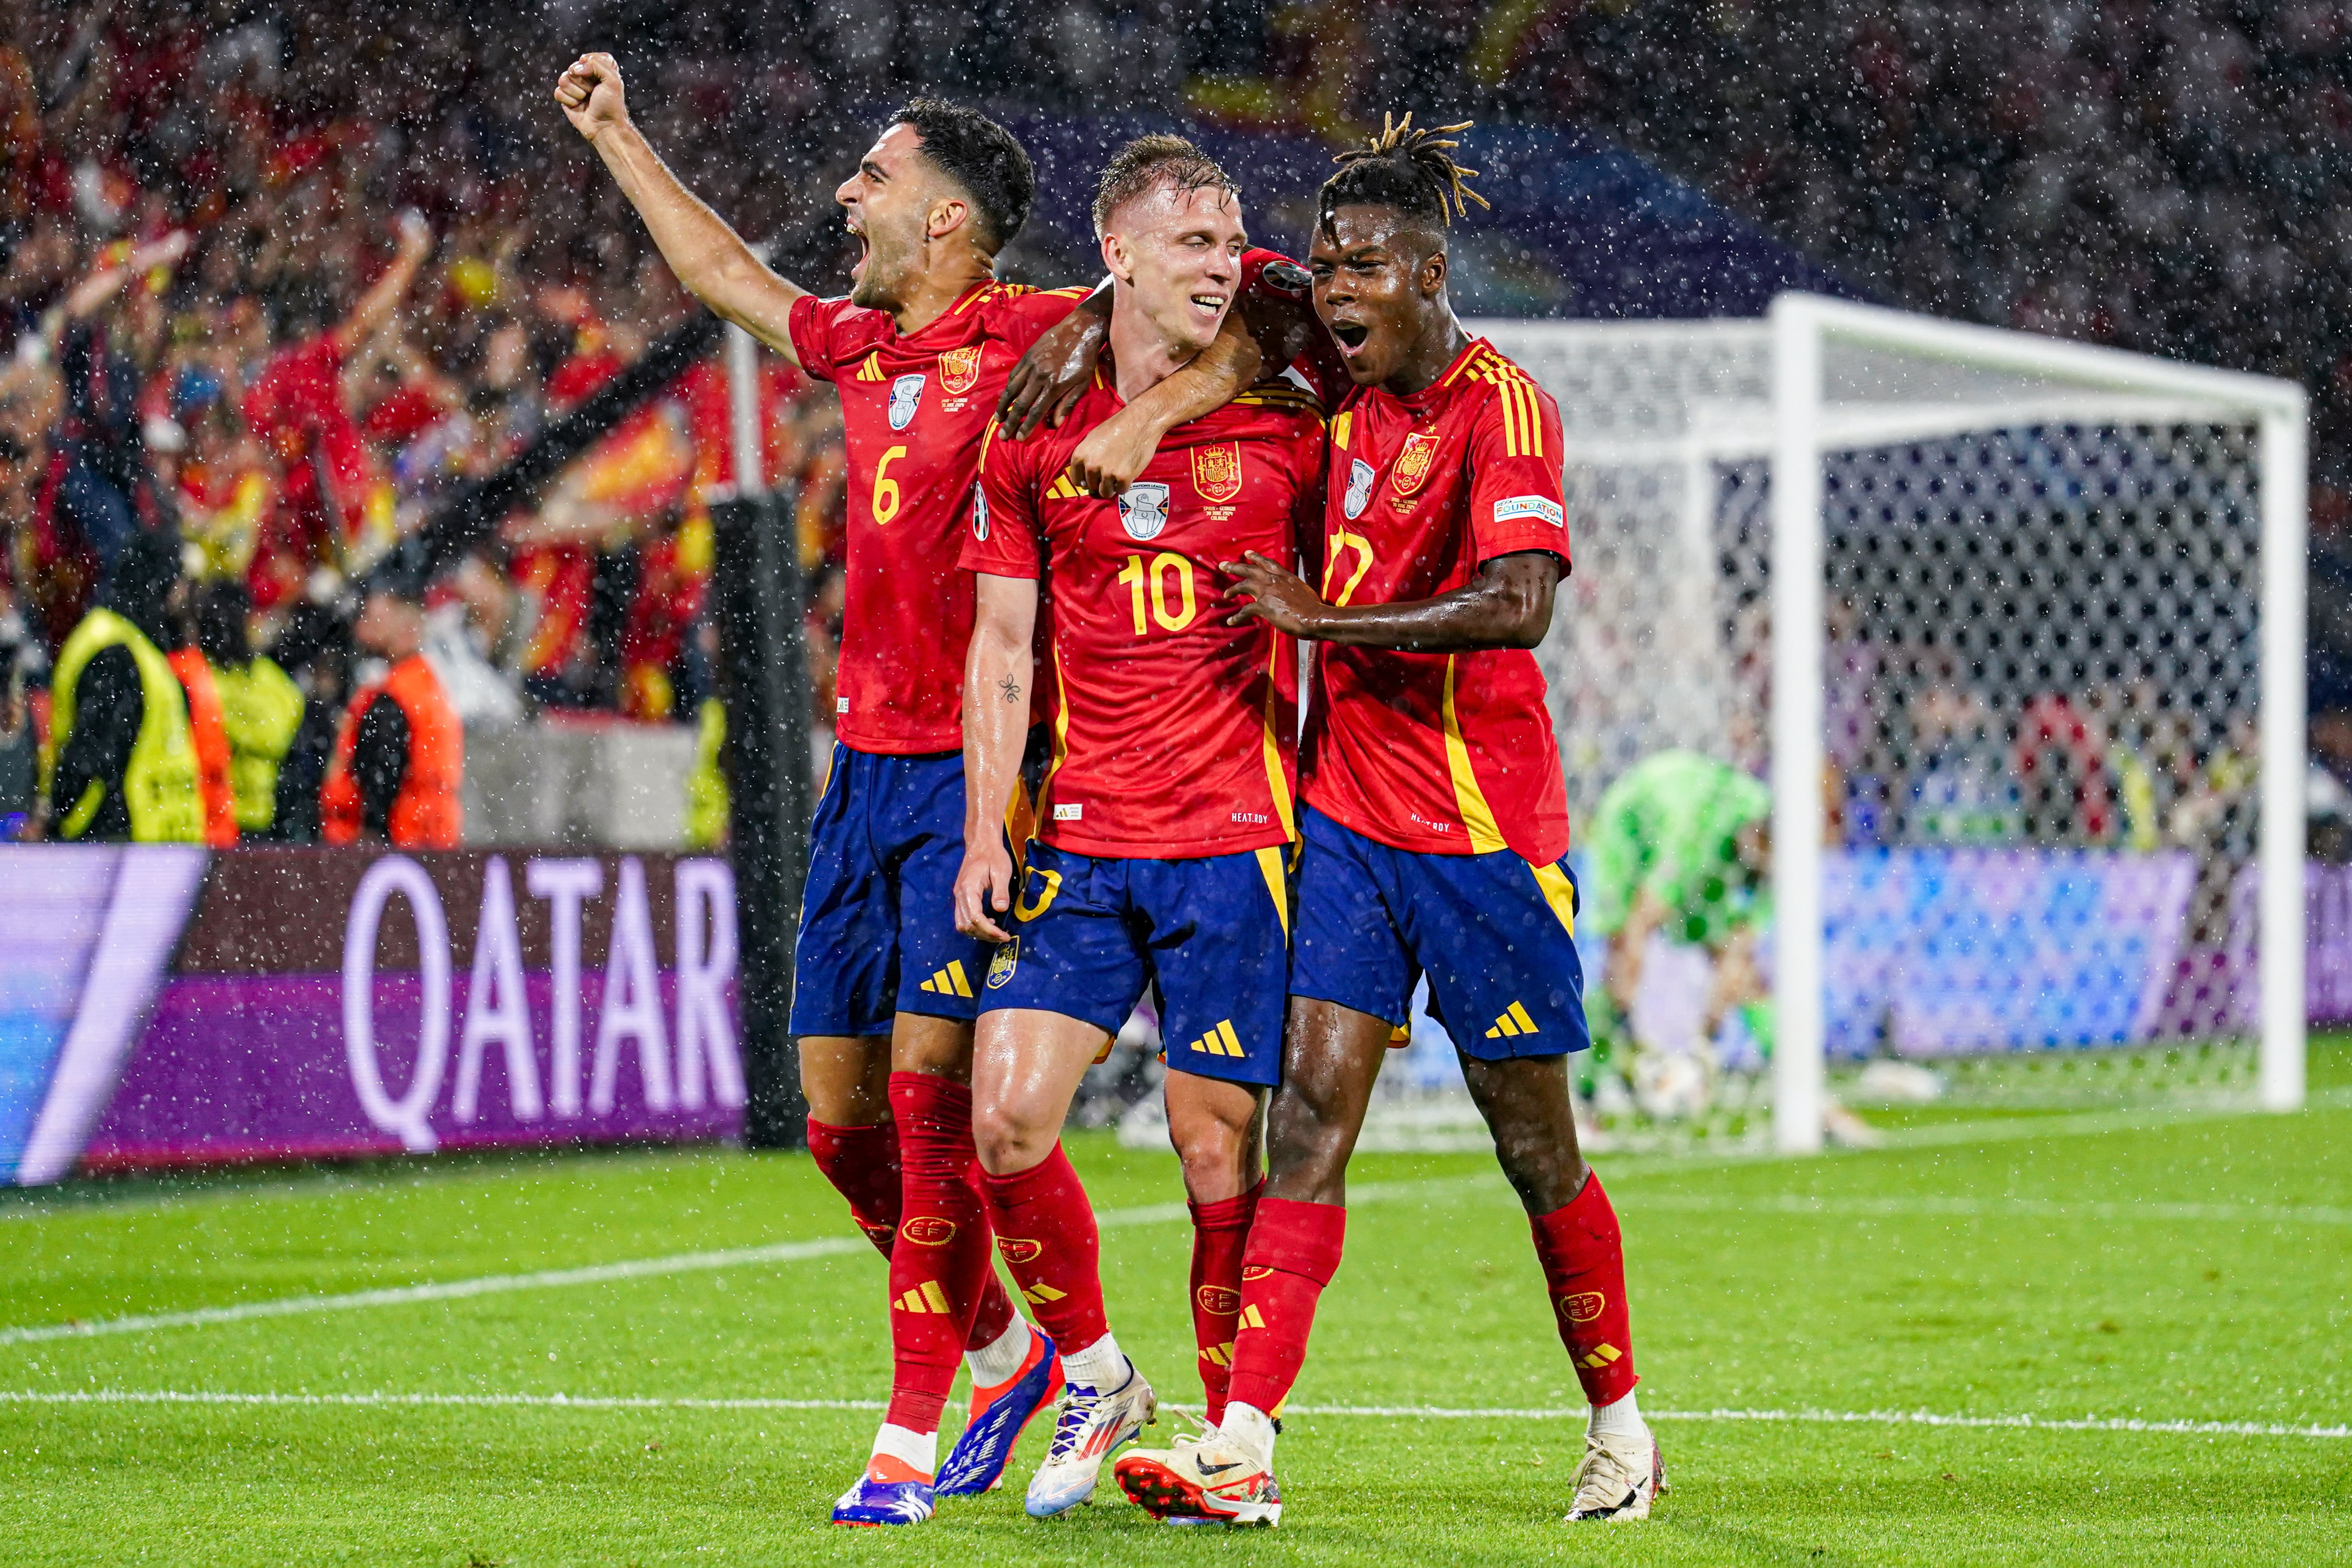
(2013,628)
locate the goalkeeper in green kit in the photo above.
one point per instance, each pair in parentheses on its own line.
(1681,845)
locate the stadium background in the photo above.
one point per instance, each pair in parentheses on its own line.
(2170,179)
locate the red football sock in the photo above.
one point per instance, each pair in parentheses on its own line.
(862,1164)
(940,1265)
(1219,1231)
(1294,1249)
(1583,1257)
(1045,1229)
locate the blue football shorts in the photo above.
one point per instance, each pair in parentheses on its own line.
(1090,932)
(1495,935)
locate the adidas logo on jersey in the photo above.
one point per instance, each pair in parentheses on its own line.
(1063,489)
(948,981)
(870,368)
(1219,1041)
(1512,1024)
(925,1298)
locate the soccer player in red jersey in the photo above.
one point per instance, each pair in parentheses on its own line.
(1165,820)
(886,986)
(1436,829)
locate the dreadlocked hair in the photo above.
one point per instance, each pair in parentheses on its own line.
(1411,170)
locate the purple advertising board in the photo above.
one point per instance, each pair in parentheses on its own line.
(166,1007)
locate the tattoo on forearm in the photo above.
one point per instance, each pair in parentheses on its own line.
(1011,688)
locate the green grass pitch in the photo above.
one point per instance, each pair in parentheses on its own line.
(2066,1267)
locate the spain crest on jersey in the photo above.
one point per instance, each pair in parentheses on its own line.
(1217,471)
(1413,463)
(959,369)
(906,397)
(1143,509)
(1359,489)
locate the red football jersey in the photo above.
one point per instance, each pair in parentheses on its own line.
(1174,734)
(913,410)
(1443,753)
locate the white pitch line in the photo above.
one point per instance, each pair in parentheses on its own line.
(1375,1412)
(1963,1208)
(1852,1417)
(600,1273)
(447,1291)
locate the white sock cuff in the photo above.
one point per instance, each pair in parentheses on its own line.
(1621,1418)
(1000,1360)
(919,1449)
(1251,1427)
(1101,1366)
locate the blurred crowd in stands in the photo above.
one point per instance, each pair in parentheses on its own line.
(273,296)
(276,274)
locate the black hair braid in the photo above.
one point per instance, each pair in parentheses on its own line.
(1409,168)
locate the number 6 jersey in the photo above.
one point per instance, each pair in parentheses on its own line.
(913,408)
(1174,733)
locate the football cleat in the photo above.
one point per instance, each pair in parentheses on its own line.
(999,1416)
(1618,1481)
(883,1502)
(1198,1481)
(1087,1428)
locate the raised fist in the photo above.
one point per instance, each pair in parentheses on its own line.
(588,93)
(416,234)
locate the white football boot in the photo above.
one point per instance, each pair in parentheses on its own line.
(1619,1480)
(1087,1428)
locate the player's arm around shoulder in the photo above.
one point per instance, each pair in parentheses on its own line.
(708,255)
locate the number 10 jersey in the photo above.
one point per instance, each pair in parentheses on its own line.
(1174,734)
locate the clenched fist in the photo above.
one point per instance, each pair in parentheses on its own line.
(588,93)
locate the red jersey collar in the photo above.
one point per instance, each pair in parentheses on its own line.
(1437,391)
(964,303)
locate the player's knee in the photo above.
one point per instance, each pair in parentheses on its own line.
(1546,1172)
(840,1102)
(1212,1152)
(1007,1141)
(1305,1137)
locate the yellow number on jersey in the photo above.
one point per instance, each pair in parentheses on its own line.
(1341,542)
(885,490)
(1134,574)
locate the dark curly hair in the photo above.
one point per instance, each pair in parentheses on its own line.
(1412,171)
(982,157)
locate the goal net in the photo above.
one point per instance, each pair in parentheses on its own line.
(2012,629)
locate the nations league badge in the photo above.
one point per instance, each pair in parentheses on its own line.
(979,514)
(1143,511)
(905,394)
(1359,489)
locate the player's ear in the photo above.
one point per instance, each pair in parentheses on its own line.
(1431,277)
(947,214)
(1117,258)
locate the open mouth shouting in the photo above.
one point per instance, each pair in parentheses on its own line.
(1350,334)
(1211,304)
